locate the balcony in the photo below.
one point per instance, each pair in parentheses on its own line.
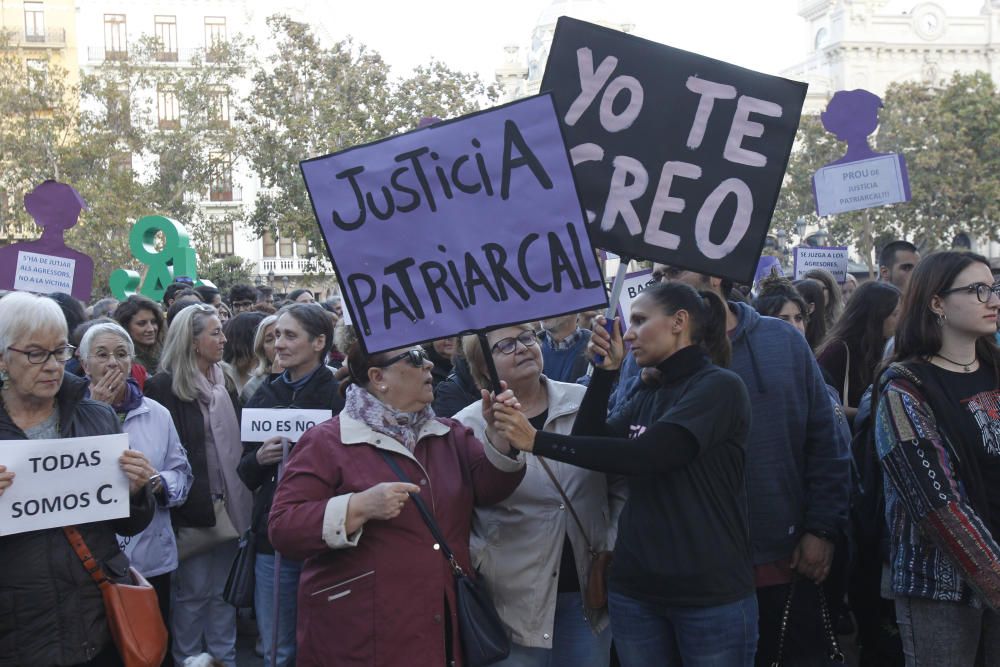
(223,196)
(283,265)
(54,38)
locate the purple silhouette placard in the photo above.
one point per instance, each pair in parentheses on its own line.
(48,265)
(767,265)
(862,178)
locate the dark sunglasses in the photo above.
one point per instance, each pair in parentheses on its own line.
(417,356)
(508,345)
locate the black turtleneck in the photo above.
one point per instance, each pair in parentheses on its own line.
(597,445)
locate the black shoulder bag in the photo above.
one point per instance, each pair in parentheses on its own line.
(483,635)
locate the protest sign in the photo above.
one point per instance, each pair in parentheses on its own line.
(48,265)
(259,424)
(861,178)
(63,482)
(679,158)
(458,226)
(632,287)
(832,259)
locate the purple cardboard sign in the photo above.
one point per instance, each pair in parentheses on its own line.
(765,266)
(459,226)
(861,178)
(48,265)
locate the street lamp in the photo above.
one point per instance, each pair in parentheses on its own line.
(270,277)
(800,227)
(284,283)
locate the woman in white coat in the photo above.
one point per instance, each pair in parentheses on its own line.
(529,548)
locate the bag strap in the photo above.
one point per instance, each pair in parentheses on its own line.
(833,646)
(90,564)
(569,505)
(847,374)
(425,513)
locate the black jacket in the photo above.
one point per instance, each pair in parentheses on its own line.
(457,392)
(198,510)
(319,393)
(51,611)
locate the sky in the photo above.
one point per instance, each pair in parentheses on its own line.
(765,35)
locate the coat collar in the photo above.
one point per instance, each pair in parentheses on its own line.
(561,400)
(356,432)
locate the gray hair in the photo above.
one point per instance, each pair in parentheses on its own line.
(263,363)
(104,308)
(104,328)
(179,358)
(24,314)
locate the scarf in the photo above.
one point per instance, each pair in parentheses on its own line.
(132,399)
(382,418)
(213,399)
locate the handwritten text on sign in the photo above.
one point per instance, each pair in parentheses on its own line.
(259,424)
(679,158)
(63,482)
(459,226)
(44,274)
(632,287)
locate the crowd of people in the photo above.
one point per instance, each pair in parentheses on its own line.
(728,477)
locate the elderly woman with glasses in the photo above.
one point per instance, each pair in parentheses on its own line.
(106,353)
(201,399)
(371,569)
(51,612)
(534,549)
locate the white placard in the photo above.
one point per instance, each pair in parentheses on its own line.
(259,424)
(63,482)
(833,260)
(862,184)
(632,287)
(44,274)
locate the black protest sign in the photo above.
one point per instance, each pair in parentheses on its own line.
(678,158)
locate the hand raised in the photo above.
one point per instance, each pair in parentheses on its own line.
(608,346)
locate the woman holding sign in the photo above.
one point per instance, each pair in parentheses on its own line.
(51,611)
(555,522)
(303,336)
(202,401)
(374,581)
(681,582)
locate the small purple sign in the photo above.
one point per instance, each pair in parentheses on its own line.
(459,226)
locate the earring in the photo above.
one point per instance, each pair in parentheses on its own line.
(381,388)
(941,318)
(4,376)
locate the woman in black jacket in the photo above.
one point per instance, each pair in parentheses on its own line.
(202,400)
(303,336)
(681,587)
(51,611)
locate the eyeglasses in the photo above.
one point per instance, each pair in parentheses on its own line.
(417,356)
(982,290)
(39,357)
(666,273)
(508,345)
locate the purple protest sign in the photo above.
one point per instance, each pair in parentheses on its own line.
(48,265)
(459,226)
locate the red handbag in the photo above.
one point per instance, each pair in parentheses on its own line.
(133,610)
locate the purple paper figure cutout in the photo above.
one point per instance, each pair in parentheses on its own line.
(55,207)
(851,116)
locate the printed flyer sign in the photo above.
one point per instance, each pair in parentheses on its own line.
(260,424)
(832,259)
(44,274)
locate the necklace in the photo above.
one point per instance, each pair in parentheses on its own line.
(965,367)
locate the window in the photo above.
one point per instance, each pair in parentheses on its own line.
(218,107)
(220,187)
(302,248)
(222,243)
(270,249)
(168,109)
(115,45)
(165,29)
(38,75)
(285,246)
(215,36)
(34,22)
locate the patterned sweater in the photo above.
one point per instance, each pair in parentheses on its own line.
(940,548)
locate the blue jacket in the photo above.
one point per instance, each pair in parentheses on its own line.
(798,469)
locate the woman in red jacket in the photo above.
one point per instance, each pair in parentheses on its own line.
(375,587)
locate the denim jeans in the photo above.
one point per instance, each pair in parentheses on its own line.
(573,642)
(721,636)
(947,634)
(263,595)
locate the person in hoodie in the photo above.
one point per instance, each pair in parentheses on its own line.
(303,336)
(798,471)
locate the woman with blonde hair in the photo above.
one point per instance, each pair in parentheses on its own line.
(263,350)
(202,401)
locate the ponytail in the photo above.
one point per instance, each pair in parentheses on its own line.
(712,335)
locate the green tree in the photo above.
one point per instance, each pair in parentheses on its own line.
(310,100)
(950,137)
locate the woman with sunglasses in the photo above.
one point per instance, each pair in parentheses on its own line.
(51,611)
(937,431)
(372,572)
(202,401)
(537,572)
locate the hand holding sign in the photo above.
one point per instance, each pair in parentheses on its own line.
(6,479)
(137,468)
(270,451)
(608,347)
